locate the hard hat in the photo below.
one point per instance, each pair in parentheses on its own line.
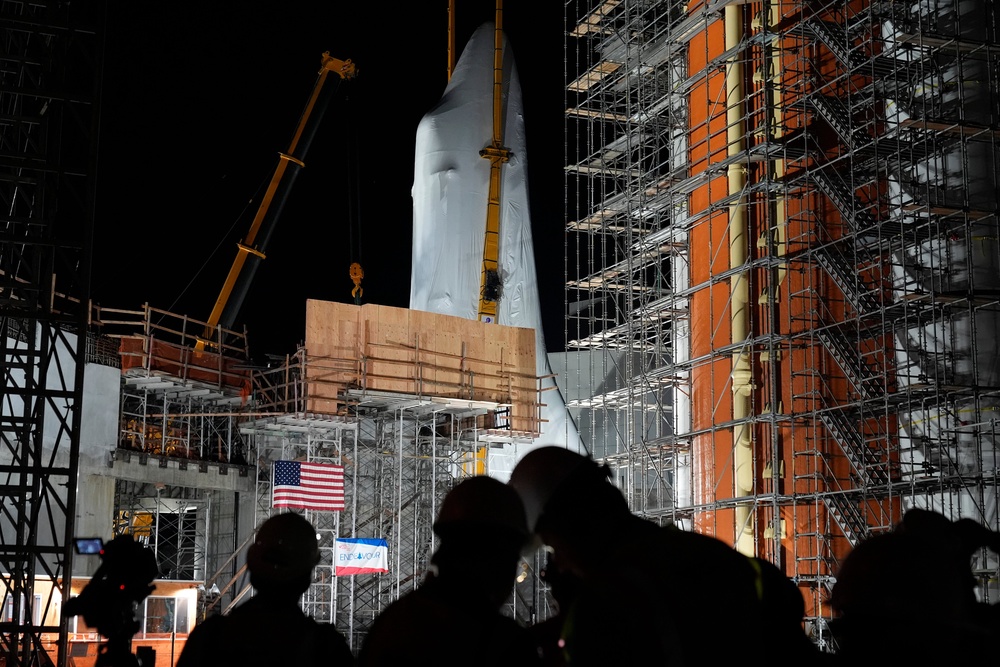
(284,550)
(540,473)
(967,535)
(482,501)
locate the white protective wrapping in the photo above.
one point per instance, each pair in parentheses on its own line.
(450,194)
(961,350)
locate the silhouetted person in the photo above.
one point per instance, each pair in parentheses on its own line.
(645,594)
(270,629)
(454,617)
(908,596)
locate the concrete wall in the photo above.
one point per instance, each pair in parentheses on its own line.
(98,436)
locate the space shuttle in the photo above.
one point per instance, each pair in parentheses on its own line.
(451,189)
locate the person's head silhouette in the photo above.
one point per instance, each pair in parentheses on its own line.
(565,495)
(283,555)
(482,529)
(918,578)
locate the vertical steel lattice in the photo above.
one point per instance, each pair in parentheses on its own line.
(50,82)
(813,296)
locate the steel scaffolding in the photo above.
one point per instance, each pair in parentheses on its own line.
(783,239)
(49,83)
(401,452)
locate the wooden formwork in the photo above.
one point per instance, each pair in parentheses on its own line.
(396,350)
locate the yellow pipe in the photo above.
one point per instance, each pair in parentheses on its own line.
(742,375)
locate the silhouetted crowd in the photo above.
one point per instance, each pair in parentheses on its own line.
(628,591)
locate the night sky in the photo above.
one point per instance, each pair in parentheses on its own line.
(198,98)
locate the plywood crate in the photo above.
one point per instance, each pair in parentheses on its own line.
(418,353)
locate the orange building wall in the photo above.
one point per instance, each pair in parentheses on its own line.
(802,374)
(709,255)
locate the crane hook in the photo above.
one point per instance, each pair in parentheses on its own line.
(357,273)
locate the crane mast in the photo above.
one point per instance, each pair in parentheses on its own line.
(491,282)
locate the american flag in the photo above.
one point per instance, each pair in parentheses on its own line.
(310,486)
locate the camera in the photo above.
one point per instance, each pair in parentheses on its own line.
(110,601)
(88,545)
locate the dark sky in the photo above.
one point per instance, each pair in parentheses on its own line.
(200,96)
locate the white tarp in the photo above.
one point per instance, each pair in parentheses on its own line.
(450,194)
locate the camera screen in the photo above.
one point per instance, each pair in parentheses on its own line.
(89,545)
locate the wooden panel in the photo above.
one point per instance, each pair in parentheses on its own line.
(386,349)
(391,347)
(332,351)
(526,409)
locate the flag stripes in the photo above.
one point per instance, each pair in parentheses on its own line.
(310,486)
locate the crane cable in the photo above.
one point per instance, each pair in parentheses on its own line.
(354,206)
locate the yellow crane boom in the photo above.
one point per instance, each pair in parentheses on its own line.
(251,250)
